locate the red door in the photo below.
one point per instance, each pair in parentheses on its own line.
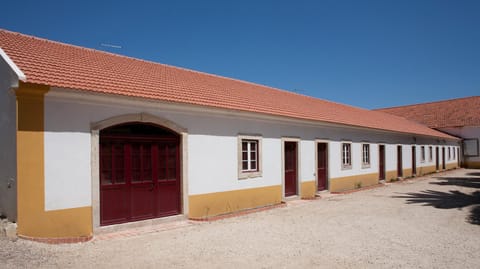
(443,158)
(381,163)
(290,168)
(399,162)
(414,161)
(139,173)
(322,166)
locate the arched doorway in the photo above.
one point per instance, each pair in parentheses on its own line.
(139,173)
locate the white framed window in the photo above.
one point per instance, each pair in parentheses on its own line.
(249,156)
(365,155)
(422,153)
(430,153)
(346,155)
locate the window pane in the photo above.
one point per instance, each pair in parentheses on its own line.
(147,162)
(162,174)
(244,165)
(253,145)
(244,146)
(253,165)
(172,161)
(119,163)
(136,162)
(106,164)
(244,156)
(253,156)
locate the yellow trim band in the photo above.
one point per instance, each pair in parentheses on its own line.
(308,189)
(472,164)
(212,204)
(353,182)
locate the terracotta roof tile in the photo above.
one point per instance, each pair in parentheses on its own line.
(61,65)
(447,113)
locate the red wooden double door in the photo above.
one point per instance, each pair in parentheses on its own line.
(139,173)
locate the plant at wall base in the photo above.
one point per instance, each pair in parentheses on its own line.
(393,179)
(358,185)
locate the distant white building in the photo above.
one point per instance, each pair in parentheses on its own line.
(458,117)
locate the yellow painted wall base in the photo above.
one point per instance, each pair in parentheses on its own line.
(426,170)
(308,189)
(33,221)
(470,164)
(391,175)
(449,166)
(353,182)
(72,222)
(407,172)
(213,204)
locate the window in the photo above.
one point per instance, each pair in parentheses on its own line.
(430,152)
(346,155)
(422,156)
(249,156)
(449,156)
(365,155)
(470,147)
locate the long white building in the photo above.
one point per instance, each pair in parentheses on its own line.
(93,140)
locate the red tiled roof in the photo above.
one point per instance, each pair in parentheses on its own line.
(61,65)
(447,113)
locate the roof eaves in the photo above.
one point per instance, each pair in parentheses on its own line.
(20,75)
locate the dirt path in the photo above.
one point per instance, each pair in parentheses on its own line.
(423,223)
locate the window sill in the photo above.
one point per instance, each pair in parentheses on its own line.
(365,166)
(346,167)
(247,175)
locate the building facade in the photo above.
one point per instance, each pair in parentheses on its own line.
(78,158)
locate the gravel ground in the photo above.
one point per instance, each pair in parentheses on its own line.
(430,222)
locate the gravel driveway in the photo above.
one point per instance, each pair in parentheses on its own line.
(429,222)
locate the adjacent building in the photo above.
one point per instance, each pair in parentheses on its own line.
(458,117)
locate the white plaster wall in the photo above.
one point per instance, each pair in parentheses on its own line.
(307,160)
(427,161)
(212,146)
(390,157)
(406,156)
(8,153)
(67,170)
(335,160)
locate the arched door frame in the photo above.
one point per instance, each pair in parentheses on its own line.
(96,127)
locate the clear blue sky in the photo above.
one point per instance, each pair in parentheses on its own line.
(364,53)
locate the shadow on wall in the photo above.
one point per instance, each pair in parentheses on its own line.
(451,199)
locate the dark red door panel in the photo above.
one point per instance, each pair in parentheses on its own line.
(139,174)
(381,163)
(322,166)
(290,168)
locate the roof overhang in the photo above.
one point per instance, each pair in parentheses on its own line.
(20,75)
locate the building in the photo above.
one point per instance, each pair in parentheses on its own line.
(92,140)
(458,117)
